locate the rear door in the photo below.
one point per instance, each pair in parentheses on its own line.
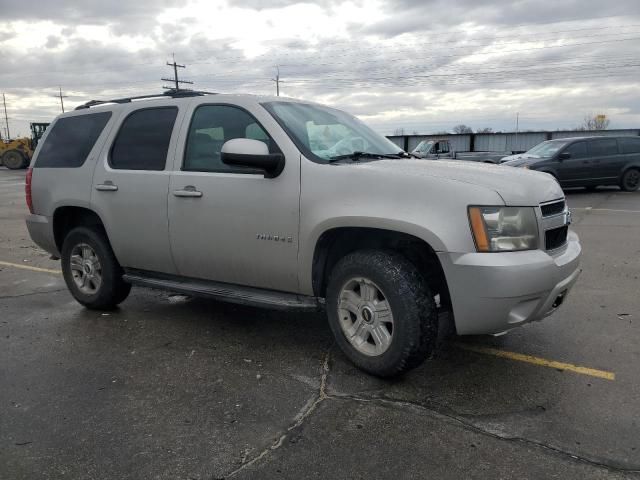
(130,187)
(606,160)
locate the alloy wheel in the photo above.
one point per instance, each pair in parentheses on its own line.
(86,269)
(365,316)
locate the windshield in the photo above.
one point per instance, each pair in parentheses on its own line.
(424,146)
(323,133)
(546,149)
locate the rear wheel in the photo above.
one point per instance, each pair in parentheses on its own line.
(91,271)
(630,180)
(381,312)
(14,160)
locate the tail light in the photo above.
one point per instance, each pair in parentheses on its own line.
(27,189)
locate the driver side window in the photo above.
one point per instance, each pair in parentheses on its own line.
(213,125)
(577,150)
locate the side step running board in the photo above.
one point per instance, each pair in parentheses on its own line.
(223,291)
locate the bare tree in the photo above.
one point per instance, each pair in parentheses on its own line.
(462,129)
(485,130)
(398,132)
(595,122)
(441,132)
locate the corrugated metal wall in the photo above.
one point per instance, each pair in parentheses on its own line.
(501,142)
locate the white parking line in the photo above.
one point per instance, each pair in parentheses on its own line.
(591,209)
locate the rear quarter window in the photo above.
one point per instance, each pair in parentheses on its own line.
(71,139)
(143,140)
(629,145)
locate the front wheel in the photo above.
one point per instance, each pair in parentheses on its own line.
(381,312)
(630,180)
(91,271)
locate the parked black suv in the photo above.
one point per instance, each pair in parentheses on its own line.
(586,161)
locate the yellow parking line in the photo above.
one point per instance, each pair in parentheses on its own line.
(541,362)
(29,267)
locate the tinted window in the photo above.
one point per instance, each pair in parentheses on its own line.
(604,147)
(143,140)
(443,147)
(629,145)
(577,150)
(211,126)
(71,139)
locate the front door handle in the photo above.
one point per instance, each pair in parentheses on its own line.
(188,191)
(107,186)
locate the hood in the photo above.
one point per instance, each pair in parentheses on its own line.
(519,156)
(516,186)
(522,160)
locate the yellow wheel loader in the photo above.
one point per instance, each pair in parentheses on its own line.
(17,153)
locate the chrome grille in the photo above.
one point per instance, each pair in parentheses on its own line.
(552,208)
(555,238)
(555,223)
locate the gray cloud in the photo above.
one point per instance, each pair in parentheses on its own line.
(88,11)
(424,83)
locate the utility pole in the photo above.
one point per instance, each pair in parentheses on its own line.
(175,80)
(6,117)
(60,96)
(277,80)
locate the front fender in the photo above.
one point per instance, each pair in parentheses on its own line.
(309,243)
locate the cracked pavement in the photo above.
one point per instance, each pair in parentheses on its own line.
(169,387)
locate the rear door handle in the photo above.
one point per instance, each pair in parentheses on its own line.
(107,186)
(188,191)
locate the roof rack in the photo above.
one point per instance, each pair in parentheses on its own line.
(169,93)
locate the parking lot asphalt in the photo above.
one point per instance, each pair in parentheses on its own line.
(170,387)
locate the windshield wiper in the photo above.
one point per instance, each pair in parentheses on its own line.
(355,156)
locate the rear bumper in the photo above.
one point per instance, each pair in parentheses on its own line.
(41,231)
(495,292)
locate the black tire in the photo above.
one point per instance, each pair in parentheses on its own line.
(630,181)
(14,160)
(112,290)
(415,319)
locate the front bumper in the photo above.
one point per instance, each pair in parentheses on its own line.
(41,232)
(495,292)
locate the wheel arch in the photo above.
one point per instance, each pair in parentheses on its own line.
(635,164)
(336,242)
(65,218)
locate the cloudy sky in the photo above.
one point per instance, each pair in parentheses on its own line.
(423,66)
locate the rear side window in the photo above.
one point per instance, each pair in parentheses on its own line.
(71,139)
(577,150)
(604,147)
(629,145)
(143,140)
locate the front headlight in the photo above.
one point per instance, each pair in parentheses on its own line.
(504,229)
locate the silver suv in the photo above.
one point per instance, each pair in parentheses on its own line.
(290,204)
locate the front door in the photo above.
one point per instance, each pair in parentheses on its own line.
(574,169)
(232,224)
(130,185)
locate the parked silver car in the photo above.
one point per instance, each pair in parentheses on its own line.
(289,204)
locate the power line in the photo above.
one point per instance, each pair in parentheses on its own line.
(175,78)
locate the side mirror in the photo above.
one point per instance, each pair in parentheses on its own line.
(246,152)
(564,156)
